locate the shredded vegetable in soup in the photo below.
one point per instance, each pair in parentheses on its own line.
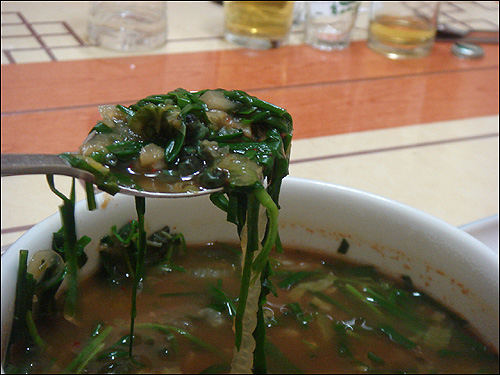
(159,305)
(326,316)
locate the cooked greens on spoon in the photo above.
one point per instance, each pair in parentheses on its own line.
(186,142)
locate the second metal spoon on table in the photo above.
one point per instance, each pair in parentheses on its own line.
(24,164)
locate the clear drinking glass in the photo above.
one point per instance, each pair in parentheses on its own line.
(258,24)
(128,25)
(329,24)
(403,29)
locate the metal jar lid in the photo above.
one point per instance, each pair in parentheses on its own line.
(467,50)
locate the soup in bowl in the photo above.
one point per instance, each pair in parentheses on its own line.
(364,284)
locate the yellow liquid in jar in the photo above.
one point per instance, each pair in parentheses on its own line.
(261,19)
(402,31)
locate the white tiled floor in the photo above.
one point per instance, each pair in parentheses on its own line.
(192,26)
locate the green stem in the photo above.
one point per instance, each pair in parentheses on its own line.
(272,233)
(404,315)
(356,293)
(259,334)
(91,202)
(87,353)
(220,201)
(23,303)
(24,296)
(140,206)
(89,357)
(33,330)
(67,211)
(50,180)
(252,246)
(397,337)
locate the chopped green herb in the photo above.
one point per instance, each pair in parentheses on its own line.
(343,247)
(396,337)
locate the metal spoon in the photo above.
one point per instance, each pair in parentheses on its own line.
(23,164)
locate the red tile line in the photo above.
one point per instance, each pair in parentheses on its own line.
(44,47)
(490,5)
(80,41)
(9,57)
(17,229)
(394,148)
(39,37)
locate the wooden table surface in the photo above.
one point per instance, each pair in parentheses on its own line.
(47,108)
(423,131)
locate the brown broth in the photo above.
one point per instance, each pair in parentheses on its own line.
(315,347)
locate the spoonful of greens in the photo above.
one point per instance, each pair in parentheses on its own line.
(178,144)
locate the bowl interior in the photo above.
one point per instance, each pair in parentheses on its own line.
(441,260)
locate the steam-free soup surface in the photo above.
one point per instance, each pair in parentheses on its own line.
(329,316)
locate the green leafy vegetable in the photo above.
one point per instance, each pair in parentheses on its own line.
(25,289)
(67,210)
(220,300)
(140,206)
(397,337)
(95,345)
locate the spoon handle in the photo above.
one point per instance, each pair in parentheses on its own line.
(22,164)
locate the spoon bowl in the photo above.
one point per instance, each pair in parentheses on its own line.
(23,164)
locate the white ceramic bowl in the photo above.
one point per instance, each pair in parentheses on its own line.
(445,262)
